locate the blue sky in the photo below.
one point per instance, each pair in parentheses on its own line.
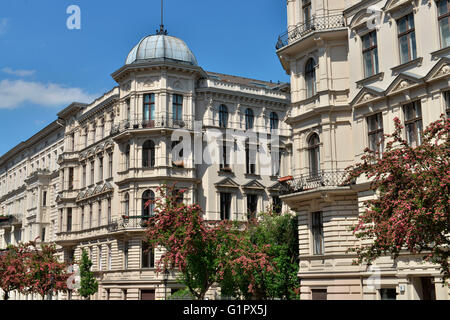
(44,65)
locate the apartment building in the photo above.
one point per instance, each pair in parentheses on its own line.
(115,152)
(354,67)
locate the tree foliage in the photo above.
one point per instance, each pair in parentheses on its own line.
(203,252)
(411,210)
(88,283)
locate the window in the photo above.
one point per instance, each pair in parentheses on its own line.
(43,234)
(314,155)
(148,256)
(407,38)
(109,257)
(127,157)
(149,110)
(223,116)
(44,199)
(319,294)
(69,219)
(90,216)
(84,176)
(447,103)
(225,164)
(128,110)
(70,178)
(148,198)
(252,206)
(177,159)
(249,119)
(126,205)
(388,294)
(148,154)
(276,161)
(125,255)
(317,233)
(310,78)
(177,108)
(274,121)
(277,204)
(100,258)
(110,166)
(92,172)
(100,169)
(375,127)
(413,123)
(370,54)
(102,129)
(306,6)
(225,206)
(444,22)
(82,218)
(99,220)
(109,211)
(250,158)
(86,135)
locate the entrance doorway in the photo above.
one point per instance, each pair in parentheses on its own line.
(428,288)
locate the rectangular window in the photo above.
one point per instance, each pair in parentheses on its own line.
(44,199)
(100,258)
(306,6)
(225,206)
(69,219)
(148,256)
(444,22)
(375,131)
(252,206)
(128,110)
(125,255)
(90,216)
(110,166)
(250,159)
(319,294)
(317,233)
(92,172)
(407,38)
(43,235)
(109,257)
(82,218)
(84,176)
(413,123)
(109,211)
(99,220)
(370,53)
(277,204)
(447,103)
(100,169)
(70,178)
(225,163)
(149,110)
(177,108)
(388,294)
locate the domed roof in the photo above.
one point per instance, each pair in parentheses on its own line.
(161,46)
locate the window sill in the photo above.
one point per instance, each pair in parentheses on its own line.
(252,176)
(439,53)
(376,77)
(413,63)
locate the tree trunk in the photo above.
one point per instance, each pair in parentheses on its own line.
(6,296)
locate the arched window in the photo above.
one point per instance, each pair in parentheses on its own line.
(249,119)
(126,205)
(274,121)
(310,78)
(223,116)
(314,155)
(147,203)
(148,154)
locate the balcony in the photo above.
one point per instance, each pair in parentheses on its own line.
(318,23)
(12,220)
(321,179)
(162,122)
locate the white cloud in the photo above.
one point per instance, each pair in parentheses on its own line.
(3,25)
(19,73)
(14,94)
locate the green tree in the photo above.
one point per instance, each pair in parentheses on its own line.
(88,285)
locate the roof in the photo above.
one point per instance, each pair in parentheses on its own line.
(246,81)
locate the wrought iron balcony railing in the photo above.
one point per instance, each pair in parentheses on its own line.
(313,181)
(318,23)
(168,121)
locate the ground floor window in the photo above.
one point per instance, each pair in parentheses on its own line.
(148,295)
(388,294)
(319,294)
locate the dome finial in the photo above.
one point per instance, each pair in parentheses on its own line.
(161,30)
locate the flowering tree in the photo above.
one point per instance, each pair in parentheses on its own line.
(13,270)
(46,274)
(411,210)
(203,252)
